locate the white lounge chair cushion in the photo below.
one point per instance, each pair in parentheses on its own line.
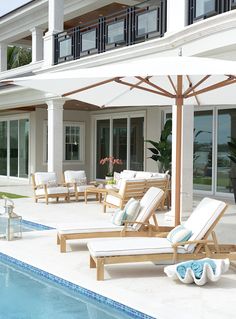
(202,218)
(75,177)
(101,226)
(148,204)
(52,190)
(131,246)
(45,178)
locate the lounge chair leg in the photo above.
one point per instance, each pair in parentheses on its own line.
(63,244)
(100,269)
(92,263)
(46,200)
(58,239)
(57,199)
(104,208)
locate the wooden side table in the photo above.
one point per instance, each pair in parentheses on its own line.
(98,191)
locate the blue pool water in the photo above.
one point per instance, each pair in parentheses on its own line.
(33,294)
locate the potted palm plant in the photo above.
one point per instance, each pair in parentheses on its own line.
(161,151)
(232,157)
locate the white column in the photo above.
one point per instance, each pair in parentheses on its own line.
(55,136)
(187,160)
(177,15)
(3,57)
(55,25)
(37,44)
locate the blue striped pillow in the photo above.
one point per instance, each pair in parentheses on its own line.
(178,234)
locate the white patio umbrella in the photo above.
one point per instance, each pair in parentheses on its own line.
(151,81)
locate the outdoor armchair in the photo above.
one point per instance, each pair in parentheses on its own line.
(45,185)
(160,248)
(140,227)
(76,181)
(128,189)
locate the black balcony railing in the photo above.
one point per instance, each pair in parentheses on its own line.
(203,9)
(132,25)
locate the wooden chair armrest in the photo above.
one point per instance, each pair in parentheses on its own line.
(162,234)
(126,222)
(202,241)
(113,193)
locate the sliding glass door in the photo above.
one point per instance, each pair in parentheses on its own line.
(3,148)
(14,148)
(225,168)
(202,146)
(122,138)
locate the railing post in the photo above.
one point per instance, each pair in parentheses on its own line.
(101,35)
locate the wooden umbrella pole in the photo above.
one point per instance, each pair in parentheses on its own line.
(179,104)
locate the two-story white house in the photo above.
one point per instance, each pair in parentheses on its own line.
(40,131)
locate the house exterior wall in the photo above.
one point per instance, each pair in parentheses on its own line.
(213,37)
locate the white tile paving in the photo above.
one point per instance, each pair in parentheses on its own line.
(142,286)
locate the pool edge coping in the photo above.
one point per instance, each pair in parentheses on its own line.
(75,288)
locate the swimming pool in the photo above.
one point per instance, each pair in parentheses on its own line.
(27,292)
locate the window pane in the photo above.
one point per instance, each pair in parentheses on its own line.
(136,143)
(72,143)
(147,22)
(24,146)
(103,145)
(88,40)
(3,148)
(120,142)
(225,167)
(115,32)
(65,47)
(204,6)
(202,156)
(14,148)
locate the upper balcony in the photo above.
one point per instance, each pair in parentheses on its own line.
(121,28)
(203,9)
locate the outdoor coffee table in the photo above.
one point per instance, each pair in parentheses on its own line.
(98,191)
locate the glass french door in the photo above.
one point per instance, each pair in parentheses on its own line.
(225,168)
(202,150)
(122,138)
(14,148)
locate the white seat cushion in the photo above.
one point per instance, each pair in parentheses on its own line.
(145,175)
(113,200)
(52,190)
(202,218)
(130,246)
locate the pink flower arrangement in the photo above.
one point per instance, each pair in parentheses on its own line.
(111,161)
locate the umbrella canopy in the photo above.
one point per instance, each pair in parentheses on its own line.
(151,81)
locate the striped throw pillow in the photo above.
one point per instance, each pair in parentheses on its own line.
(178,234)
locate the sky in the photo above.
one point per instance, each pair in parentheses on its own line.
(9,5)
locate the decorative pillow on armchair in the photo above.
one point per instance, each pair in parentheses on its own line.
(81,181)
(52,183)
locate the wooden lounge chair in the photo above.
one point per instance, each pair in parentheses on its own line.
(157,249)
(140,227)
(128,189)
(45,185)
